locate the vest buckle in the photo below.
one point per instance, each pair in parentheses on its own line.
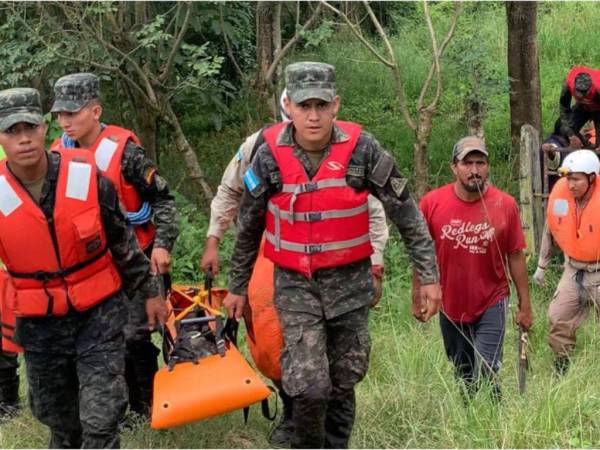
(314,216)
(310,186)
(313,248)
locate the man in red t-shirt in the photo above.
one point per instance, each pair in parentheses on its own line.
(478,240)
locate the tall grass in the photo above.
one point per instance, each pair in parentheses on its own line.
(409,397)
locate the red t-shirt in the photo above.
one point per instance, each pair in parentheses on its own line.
(472,240)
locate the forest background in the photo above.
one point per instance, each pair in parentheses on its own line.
(194,79)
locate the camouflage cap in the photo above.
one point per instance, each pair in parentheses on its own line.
(467,145)
(72,92)
(306,80)
(20,105)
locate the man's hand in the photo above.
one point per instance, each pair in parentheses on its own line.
(417,307)
(235,305)
(432,298)
(156,311)
(160,261)
(210,257)
(524,317)
(377,272)
(539,276)
(575,142)
(549,148)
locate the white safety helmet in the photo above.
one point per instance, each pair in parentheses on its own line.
(284,116)
(584,161)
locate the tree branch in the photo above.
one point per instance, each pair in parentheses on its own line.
(228,45)
(166,69)
(360,37)
(399,85)
(286,48)
(435,68)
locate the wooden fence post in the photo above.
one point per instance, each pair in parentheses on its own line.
(531,188)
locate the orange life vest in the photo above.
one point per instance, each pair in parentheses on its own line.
(61,261)
(578,237)
(8,321)
(589,101)
(108,152)
(321,222)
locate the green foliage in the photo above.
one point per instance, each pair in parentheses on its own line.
(318,35)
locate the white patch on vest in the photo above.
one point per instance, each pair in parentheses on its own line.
(334,165)
(9,200)
(78,180)
(560,207)
(104,153)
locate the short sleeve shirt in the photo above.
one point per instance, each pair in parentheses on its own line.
(472,241)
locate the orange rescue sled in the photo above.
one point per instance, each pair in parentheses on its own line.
(205,375)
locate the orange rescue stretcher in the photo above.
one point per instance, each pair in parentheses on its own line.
(205,374)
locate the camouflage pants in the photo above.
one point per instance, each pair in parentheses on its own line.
(9,382)
(323,359)
(140,358)
(81,397)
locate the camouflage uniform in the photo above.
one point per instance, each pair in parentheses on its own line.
(9,383)
(75,363)
(72,92)
(325,318)
(224,208)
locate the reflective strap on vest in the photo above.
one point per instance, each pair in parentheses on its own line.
(311,186)
(310,249)
(314,216)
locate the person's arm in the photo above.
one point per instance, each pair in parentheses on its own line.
(518,272)
(133,265)
(378,230)
(224,206)
(386,183)
(141,172)
(566,118)
(379,234)
(251,225)
(545,256)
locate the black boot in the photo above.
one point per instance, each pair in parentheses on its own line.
(9,393)
(283,432)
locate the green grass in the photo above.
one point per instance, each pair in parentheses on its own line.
(409,397)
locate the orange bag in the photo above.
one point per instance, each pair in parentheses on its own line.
(264,335)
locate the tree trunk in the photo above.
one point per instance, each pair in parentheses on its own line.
(474,113)
(523,69)
(146,128)
(264,53)
(193,169)
(421,162)
(274,103)
(146,123)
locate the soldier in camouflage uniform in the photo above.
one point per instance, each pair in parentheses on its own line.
(324,315)
(75,362)
(223,209)
(78,111)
